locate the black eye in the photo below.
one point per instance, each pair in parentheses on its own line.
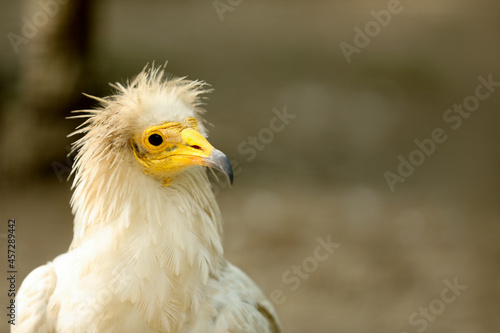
(155,139)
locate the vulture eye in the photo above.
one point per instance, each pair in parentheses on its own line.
(155,139)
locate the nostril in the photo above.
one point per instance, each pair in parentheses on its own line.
(196,147)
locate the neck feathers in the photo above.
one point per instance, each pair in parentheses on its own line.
(168,236)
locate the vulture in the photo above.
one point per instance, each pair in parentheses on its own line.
(146,254)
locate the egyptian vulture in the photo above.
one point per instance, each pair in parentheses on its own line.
(146,254)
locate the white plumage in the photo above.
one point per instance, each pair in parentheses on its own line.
(147,254)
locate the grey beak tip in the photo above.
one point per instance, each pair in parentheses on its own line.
(218,160)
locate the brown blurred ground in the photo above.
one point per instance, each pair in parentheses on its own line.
(323,174)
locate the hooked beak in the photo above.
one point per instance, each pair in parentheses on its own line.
(218,160)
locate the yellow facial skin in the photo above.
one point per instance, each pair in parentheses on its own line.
(171,147)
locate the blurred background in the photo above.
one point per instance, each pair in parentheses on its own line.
(360,81)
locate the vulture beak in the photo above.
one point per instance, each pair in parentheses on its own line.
(219,161)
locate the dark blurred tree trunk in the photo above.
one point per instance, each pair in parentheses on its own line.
(53,73)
